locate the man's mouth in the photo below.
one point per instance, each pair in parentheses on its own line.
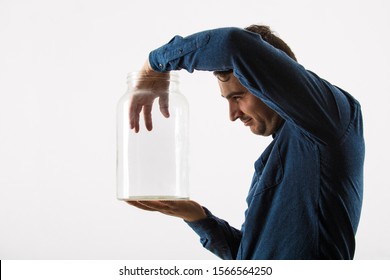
(246,121)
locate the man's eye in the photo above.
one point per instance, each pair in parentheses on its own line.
(236,98)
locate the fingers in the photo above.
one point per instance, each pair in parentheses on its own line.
(186,209)
(141,205)
(158,205)
(148,117)
(149,86)
(134,111)
(164,105)
(142,102)
(165,207)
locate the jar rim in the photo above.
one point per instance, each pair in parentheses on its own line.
(172,77)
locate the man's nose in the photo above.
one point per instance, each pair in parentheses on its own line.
(234,111)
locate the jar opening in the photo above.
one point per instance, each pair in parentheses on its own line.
(132,76)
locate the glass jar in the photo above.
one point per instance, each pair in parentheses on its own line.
(153,165)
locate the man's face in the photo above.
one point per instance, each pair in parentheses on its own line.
(243,105)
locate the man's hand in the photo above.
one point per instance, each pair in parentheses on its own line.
(150,85)
(188,210)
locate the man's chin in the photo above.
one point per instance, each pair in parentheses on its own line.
(259,131)
(255,130)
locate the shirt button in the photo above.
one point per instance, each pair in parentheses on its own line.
(160,65)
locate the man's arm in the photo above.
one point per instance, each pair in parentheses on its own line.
(299,96)
(217,236)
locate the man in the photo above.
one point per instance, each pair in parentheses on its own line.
(306,195)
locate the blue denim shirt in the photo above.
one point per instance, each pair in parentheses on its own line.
(306,195)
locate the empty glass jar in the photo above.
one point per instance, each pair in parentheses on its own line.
(153,165)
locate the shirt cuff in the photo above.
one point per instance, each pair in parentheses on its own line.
(204,227)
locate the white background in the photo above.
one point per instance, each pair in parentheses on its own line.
(63,66)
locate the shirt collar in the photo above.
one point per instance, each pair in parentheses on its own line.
(277,132)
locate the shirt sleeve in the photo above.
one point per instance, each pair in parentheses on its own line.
(298,95)
(217,236)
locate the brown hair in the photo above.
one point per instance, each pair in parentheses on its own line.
(268,35)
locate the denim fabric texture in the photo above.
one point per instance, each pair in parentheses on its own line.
(306,194)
